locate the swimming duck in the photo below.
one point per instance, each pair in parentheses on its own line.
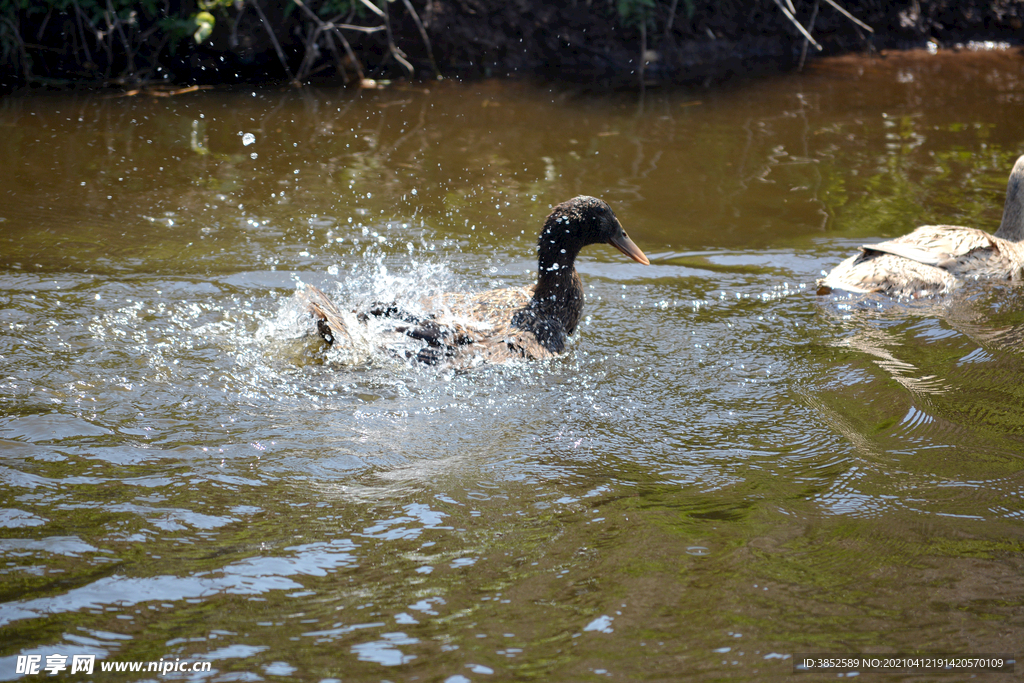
(934,259)
(500,324)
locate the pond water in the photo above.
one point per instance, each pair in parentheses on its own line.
(723,471)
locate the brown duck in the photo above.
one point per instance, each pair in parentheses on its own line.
(499,324)
(935,259)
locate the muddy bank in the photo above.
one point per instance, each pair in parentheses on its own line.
(605,43)
(580,43)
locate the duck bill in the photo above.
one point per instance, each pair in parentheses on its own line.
(626,246)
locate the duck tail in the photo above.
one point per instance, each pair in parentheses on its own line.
(330,322)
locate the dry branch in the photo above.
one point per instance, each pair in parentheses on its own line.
(423,34)
(849,16)
(799,26)
(810,27)
(273,39)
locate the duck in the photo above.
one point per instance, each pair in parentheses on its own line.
(936,259)
(497,325)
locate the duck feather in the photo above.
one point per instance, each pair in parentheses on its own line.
(935,259)
(497,325)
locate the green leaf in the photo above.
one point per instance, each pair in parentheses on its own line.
(204,22)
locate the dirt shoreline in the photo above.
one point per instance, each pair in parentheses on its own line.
(596,43)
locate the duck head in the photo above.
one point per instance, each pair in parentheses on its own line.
(1012,227)
(573,225)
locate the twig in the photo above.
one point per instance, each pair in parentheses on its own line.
(810,27)
(351,55)
(21,48)
(273,39)
(798,25)
(423,34)
(671,17)
(42,27)
(160,92)
(331,26)
(336,28)
(392,48)
(362,29)
(850,16)
(81,28)
(400,58)
(643,50)
(376,10)
(233,36)
(337,57)
(117,24)
(101,41)
(154,58)
(312,15)
(310,54)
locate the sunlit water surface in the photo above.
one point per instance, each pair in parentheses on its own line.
(724,469)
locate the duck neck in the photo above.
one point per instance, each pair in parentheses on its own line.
(559,291)
(556,266)
(1012,227)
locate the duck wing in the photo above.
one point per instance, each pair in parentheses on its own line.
(941,246)
(928,261)
(330,321)
(482,311)
(938,257)
(350,330)
(518,345)
(475,328)
(464,329)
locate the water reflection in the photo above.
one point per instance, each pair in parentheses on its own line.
(384,651)
(723,470)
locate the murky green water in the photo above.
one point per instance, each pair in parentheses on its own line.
(723,471)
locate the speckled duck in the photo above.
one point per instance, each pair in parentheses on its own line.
(499,325)
(935,259)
